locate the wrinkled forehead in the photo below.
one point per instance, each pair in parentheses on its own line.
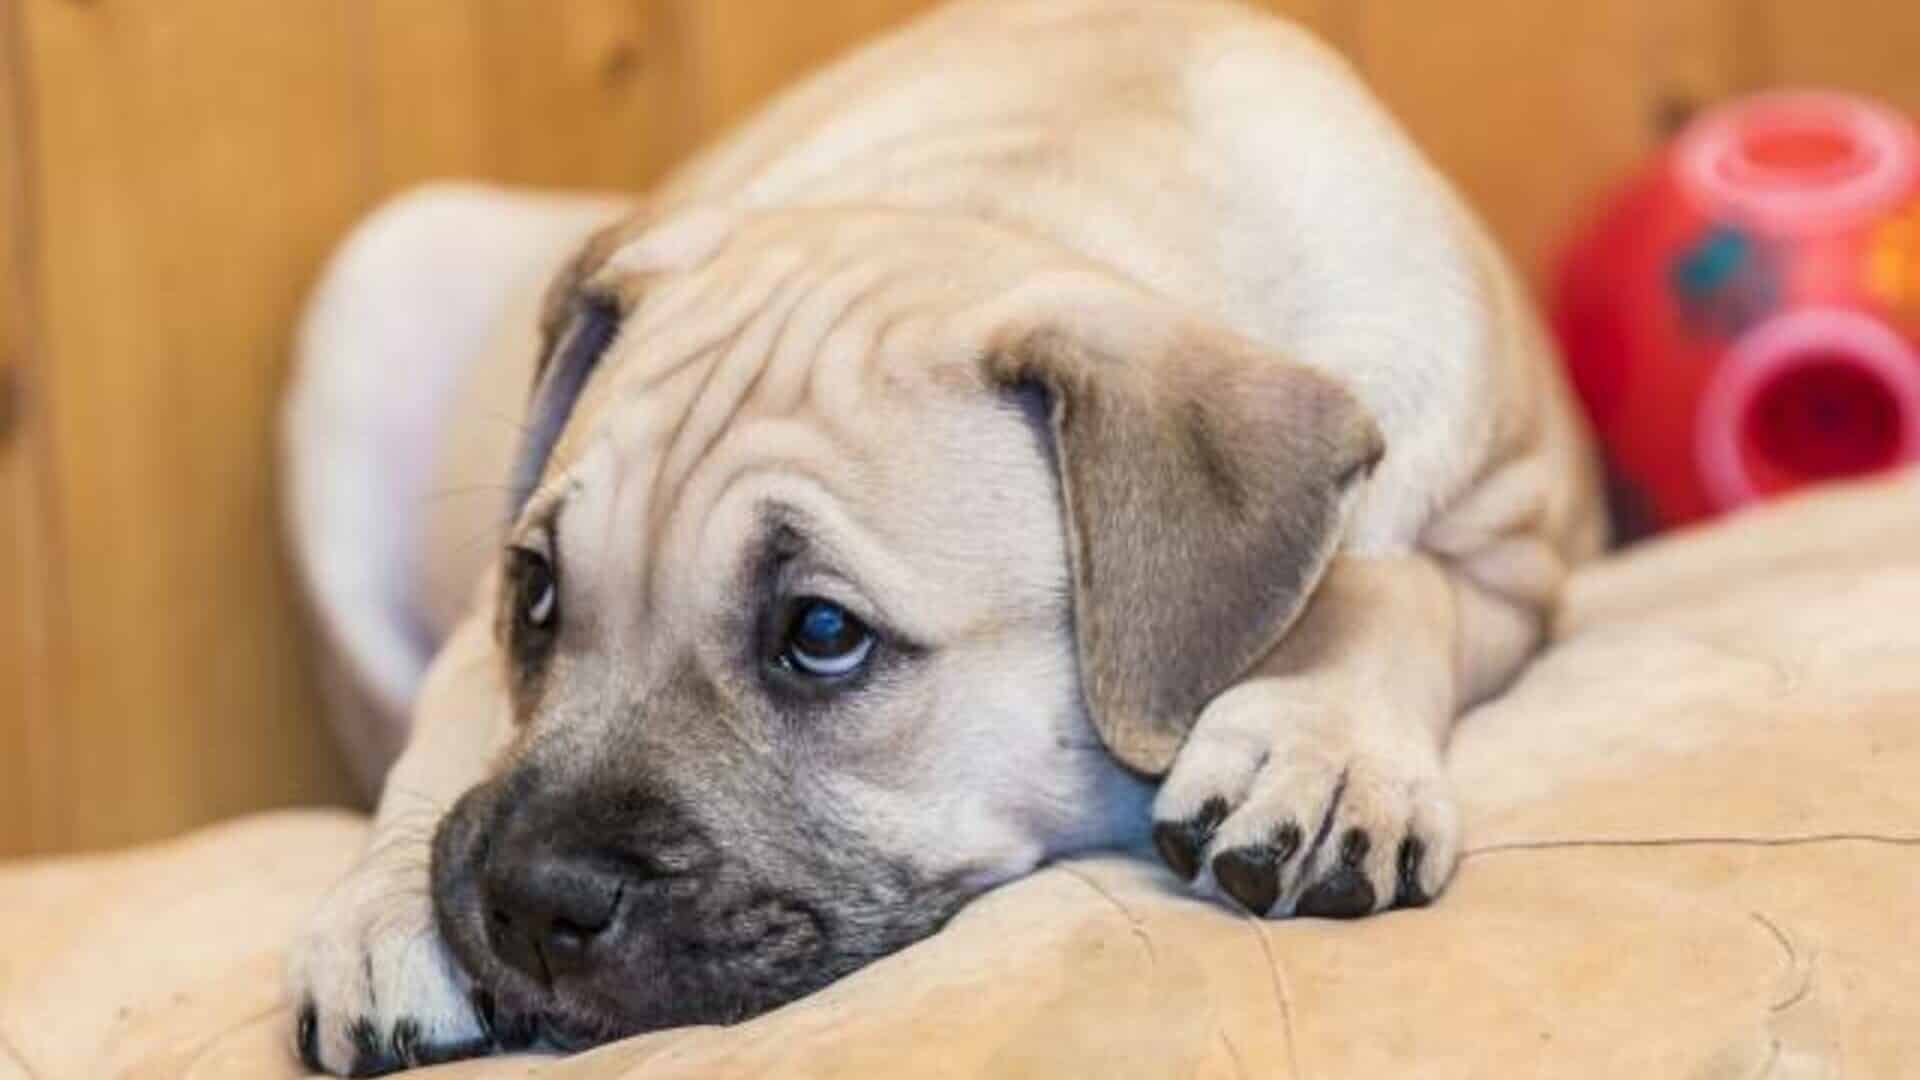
(802,305)
(825,367)
(716,318)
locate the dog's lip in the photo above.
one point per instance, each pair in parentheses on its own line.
(555,1025)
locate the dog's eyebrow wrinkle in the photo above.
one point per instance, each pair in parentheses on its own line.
(707,340)
(828,380)
(667,303)
(841,288)
(692,338)
(724,390)
(832,317)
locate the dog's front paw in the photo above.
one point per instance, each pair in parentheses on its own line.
(373,987)
(1290,810)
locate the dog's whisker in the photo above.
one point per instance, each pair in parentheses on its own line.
(514,422)
(438,495)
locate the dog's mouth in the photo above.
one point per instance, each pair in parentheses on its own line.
(706,944)
(532,1026)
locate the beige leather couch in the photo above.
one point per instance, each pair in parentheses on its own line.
(1694,833)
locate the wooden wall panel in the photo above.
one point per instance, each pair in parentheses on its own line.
(1871,46)
(741,51)
(506,90)
(195,161)
(1534,107)
(20,722)
(24,795)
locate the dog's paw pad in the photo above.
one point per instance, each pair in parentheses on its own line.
(1345,892)
(1250,873)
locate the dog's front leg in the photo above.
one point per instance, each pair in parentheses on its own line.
(1315,787)
(372,985)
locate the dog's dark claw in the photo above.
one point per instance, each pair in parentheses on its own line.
(1345,893)
(406,1047)
(406,1044)
(1407,891)
(1181,842)
(370,1057)
(307,1037)
(482,1001)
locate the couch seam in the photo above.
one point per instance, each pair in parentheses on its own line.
(1888,839)
(8,1048)
(1276,976)
(1134,924)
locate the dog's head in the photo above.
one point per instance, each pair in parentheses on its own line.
(865,561)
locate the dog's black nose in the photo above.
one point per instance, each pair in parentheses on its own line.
(547,910)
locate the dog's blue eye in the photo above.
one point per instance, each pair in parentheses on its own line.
(825,640)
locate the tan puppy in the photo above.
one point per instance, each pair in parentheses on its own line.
(1054,397)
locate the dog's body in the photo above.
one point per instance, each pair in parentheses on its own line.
(1038,362)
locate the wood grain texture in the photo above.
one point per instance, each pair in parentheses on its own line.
(195,161)
(1534,108)
(505,89)
(740,52)
(1869,46)
(17,725)
(25,797)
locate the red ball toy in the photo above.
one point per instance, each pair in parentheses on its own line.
(1743,319)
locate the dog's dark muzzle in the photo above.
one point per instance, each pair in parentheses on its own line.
(596,917)
(553,913)
(598,913)
(563,888)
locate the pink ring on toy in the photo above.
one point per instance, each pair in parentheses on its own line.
(1869,374)
(1796,161)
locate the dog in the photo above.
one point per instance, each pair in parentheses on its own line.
(1061,425)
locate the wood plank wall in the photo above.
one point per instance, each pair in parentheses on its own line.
(173,171)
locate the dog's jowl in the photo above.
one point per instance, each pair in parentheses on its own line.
(1065,424)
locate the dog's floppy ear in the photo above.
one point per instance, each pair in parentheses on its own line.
(576,327)
(1205,487)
